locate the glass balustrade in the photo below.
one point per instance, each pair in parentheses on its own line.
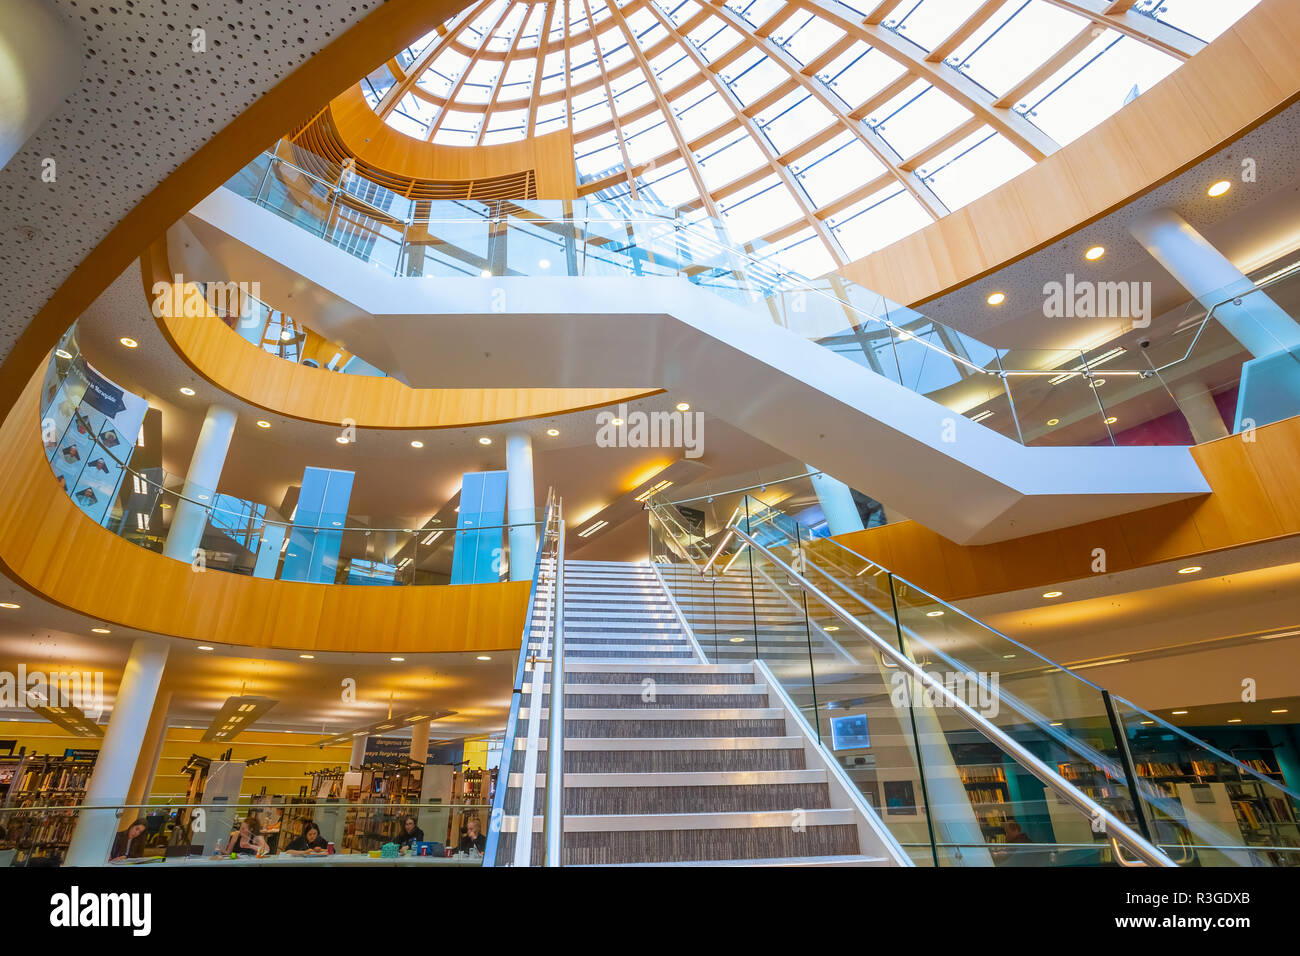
(816,613)
(1106,395)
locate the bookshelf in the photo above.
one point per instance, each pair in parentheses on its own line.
(37,786)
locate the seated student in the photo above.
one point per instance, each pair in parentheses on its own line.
(247,841)
(409,833)
(129,844)
(311,843)
(472,841)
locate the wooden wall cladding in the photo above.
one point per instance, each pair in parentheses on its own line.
(51,548)
(1255,497)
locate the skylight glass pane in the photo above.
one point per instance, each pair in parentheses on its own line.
(1095,85)
(979,163)
(1035,31)
(930,22)
(791,126)
(927,118)
(732,160)
(879,220)
(843,165)
(759,210)
(1204,19)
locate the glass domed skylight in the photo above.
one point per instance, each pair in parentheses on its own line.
(821,129)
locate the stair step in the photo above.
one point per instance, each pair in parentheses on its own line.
(846,860)
(724,778)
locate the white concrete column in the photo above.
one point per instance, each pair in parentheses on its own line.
(520,505)
(186,532)
(837,503)
(39,58)
(118,755)
(1197,405)
(1258,323)
(358,751)
(420,741)
(150,752)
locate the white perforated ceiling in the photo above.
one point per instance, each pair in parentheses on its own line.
(145,101)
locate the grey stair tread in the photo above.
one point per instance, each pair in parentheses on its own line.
(848,860)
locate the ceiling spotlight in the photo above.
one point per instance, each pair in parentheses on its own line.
(397,660)
(1234,720)
(1279,710)
(263,424)
(1190,569)
(99,630)
(307,657)
(342,439)
(737,640)
(1178,713)
(186,390)
(286,335)
(486,274)
(128,342)
(616,421)
(1053,421)
(683,407)
(483,657)
(1219,188)
(63,353)
(1052,594)
(1097,383)
(934,613)
(552,432)
(1095,253)
(1112,420)
(417,444)
(997,298)
(831,627)
(485,440)
(205,647)
(543,263)
(10,605)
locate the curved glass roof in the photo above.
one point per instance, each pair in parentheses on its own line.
(819,128)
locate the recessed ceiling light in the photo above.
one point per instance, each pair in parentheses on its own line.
(1147,723)
(1053,421)
(543,263)
(63,353)
(417,444)
(1178,712)
(486,273)
(342,439)
(1097,383)
(1234,720)
(1095,253)
(483,657)
(934,613)
(10,605)
(831,627)
(286,335)
(128,342)
(1279,710)
(308,657)
(100,630)
(485,440)
(1052,594)
(186,390)
(205,647)
(263,424)
(683,407)
(1219,188)
(552,432)
(737,640)
(1007,657)
(1056,723)
(997,298)
(616,421)
(1112,420)
(1190,569)
(397,660)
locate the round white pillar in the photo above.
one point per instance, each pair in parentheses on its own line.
(1198,407)
(420,741)
(358,751)
(521,508)
(1257,323)
(111,780)
(186,531)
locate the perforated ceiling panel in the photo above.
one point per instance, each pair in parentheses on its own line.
(145,101)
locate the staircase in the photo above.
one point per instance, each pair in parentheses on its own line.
(671,760)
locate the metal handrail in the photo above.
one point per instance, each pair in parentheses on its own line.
(554,823)
(1114,827)
(512,721)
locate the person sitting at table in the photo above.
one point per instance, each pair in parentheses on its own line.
(472,841)
(410,834)
(311,843)
(129,844)
(248,839)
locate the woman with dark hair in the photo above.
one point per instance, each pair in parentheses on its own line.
(409,834)
(129,844)
(311,843)
(248,840)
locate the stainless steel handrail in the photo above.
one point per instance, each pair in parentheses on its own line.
(1114,827)
(554,822)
